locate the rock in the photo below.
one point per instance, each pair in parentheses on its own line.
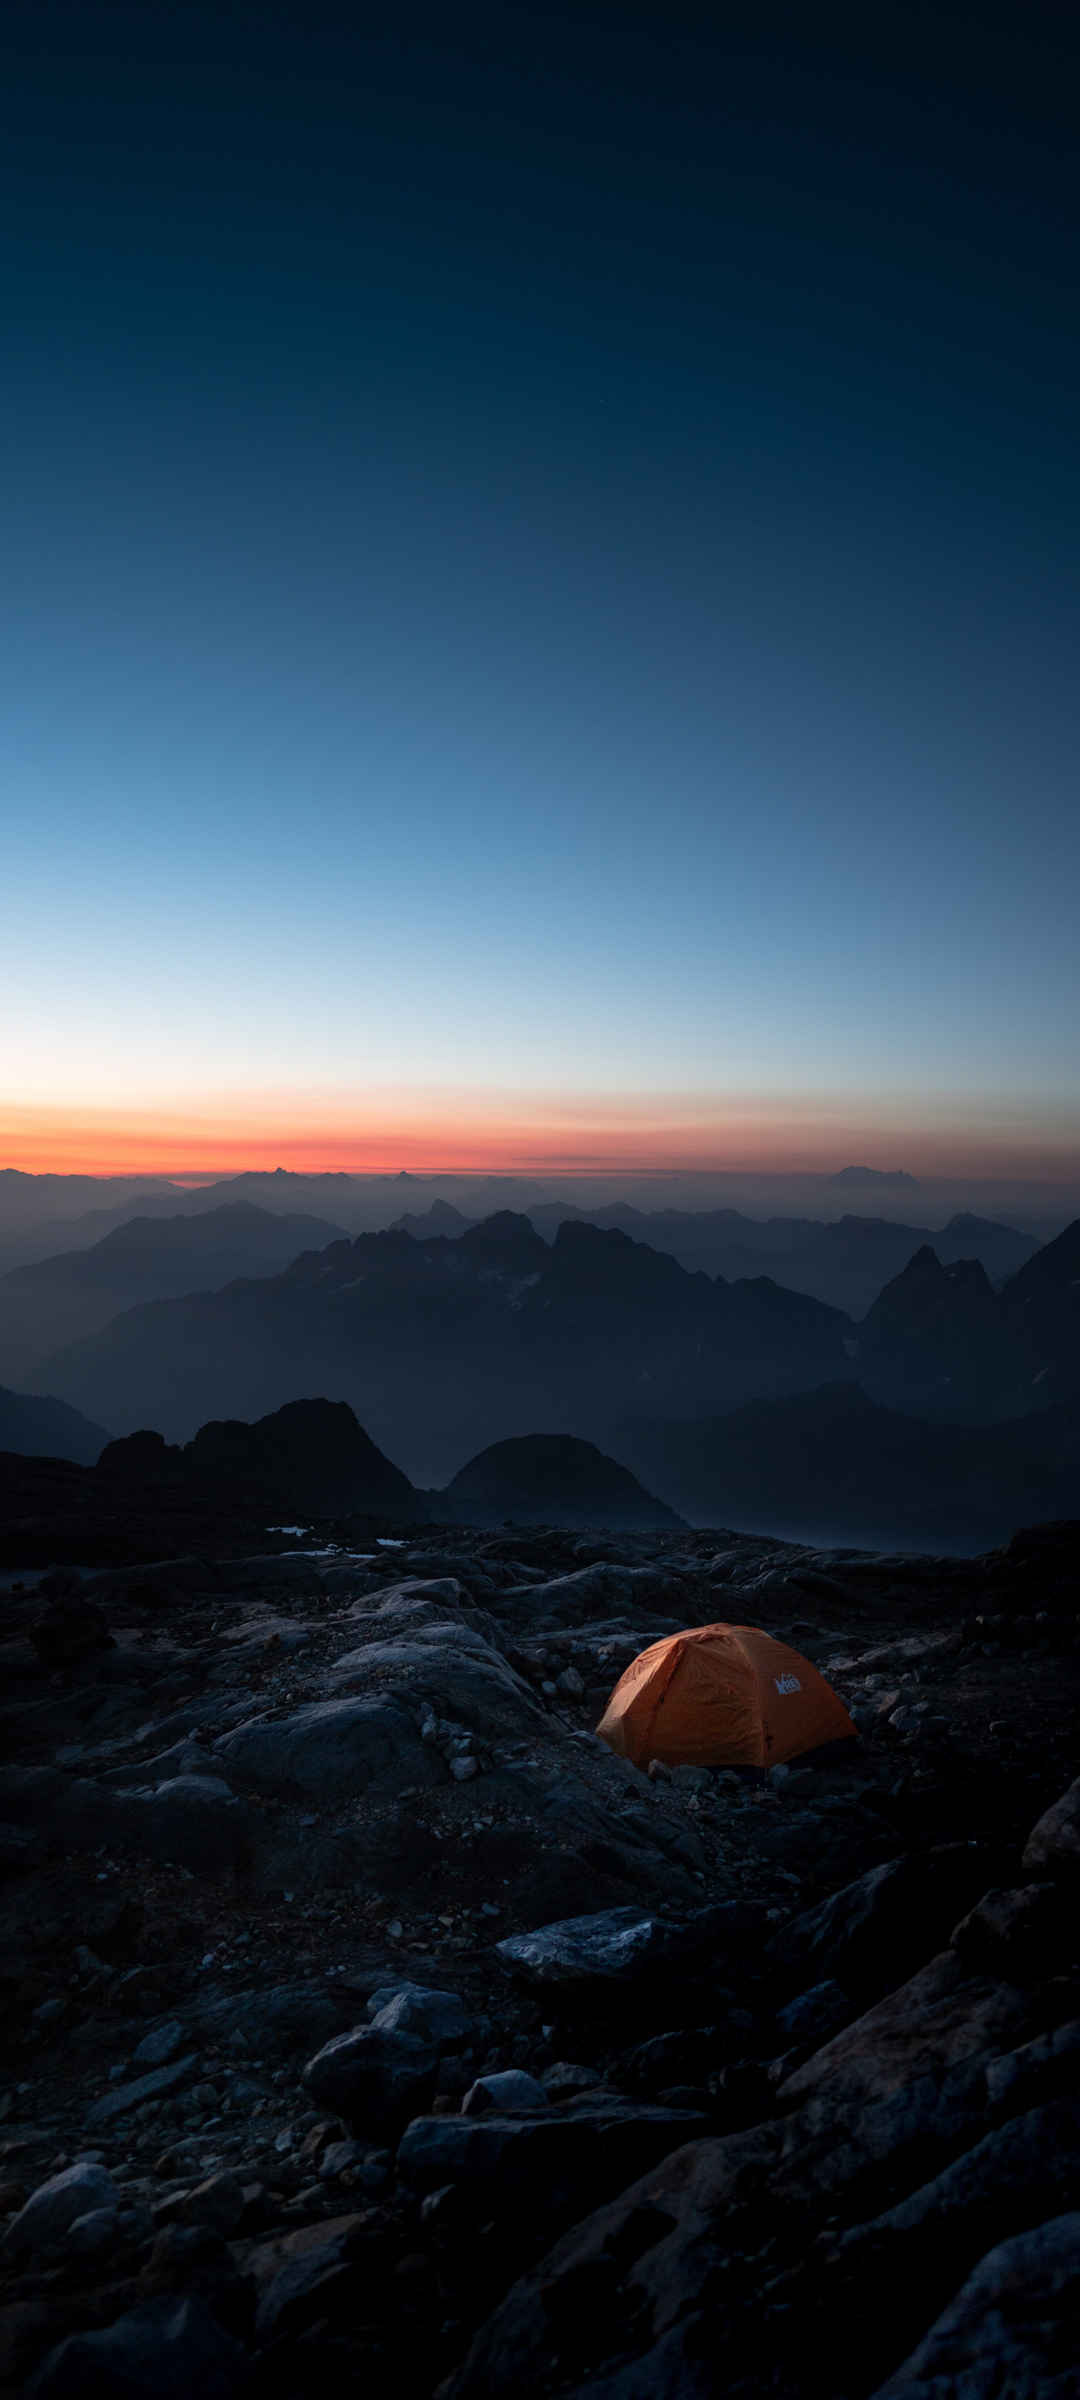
(374,2078)
(564,2080)
(160,2045)
(432,2016)
(1053,1846)
(877,1930)
(814,2016)
(339,2157)
(219,2203)
(91,2236)
(511,2093)
(307,2276)
(905,2263)
(682,2241)
(1038,2071)
(619,1944)
(546,2164)
(463,1769)
(332,1750)
(145,2087)
(436,1661)
(1011,2328)
(167,2349)
(282,2019)
(937,2018)
(686,2055)
(571,1683)
(69,1630)
(1022,1934)
(605,1948)
(56,2205)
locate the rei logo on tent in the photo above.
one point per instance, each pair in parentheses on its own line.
(787,1683)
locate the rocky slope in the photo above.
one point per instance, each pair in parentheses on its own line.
(311,2079)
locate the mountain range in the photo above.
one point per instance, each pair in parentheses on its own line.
(228,1488)
(443,1346)
(447,1344)
(844,1262)
(57,1300)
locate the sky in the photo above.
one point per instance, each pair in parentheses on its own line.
(540,594)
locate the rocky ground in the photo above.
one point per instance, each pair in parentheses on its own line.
(310,2073)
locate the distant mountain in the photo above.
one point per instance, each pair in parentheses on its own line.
(234,1488)
(843,1263)
(441,1217)
(46,1428)
(25,1198)
(941,1342)
(832,1466)
(873,1175)
(549,1479)
(61,1299)
(312,1456)
(442,1345)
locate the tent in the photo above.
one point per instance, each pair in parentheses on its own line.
(721,1695)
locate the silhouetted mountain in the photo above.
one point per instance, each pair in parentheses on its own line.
(58,1300)
(843,1263)
(939,1341)
(444,1344)
(549,1479)
(233,1488)
(40,1427)
(311,1455)
(872,1175)
(1042,1304)
(441,1217)
(936,1343)
(833,1465)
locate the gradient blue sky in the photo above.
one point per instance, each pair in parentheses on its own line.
(540,586)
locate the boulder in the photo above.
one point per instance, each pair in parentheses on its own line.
(332,1750)
(431,2016)
(1022,1934)
(1012,2327)
(942,2015)
(617,1945)
(677,2249)
(607,1948)
(877,1930)
(125,2096)
(450,1667)
(56,2205)
(814,2016)
(883,2278)
(160,2046)
(164,2350)
(374,2078)
(311,2275)
(555,2161)
(1039,2070)
(280,2019)
(1053,1846)
(509,2094)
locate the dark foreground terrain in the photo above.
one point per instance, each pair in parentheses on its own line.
(312,2087)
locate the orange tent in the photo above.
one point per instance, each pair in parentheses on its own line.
(721,1696)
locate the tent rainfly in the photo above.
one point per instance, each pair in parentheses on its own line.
(721,1696)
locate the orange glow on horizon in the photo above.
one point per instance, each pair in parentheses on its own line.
(427,1135)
